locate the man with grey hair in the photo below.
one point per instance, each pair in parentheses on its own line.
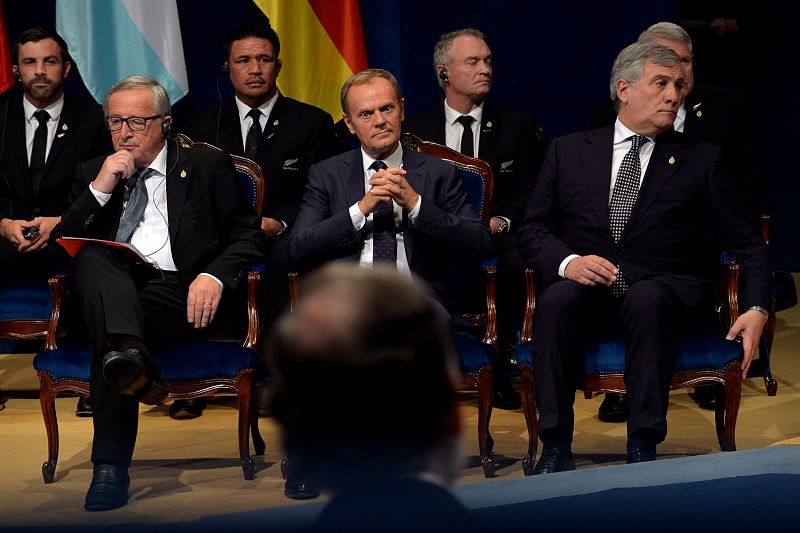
(707,114)
(510,141)
(181,208)
(619,228)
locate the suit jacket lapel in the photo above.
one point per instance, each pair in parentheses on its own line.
(413,164)
(596,158)
(231,129)
(179,174)
(664,161)
(275,122)
(489,125)
(64,128)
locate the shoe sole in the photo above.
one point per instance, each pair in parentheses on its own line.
(124,375)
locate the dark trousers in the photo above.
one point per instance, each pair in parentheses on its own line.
(510,289)
(31,265)
(117,298)
(275,286)
(648,318)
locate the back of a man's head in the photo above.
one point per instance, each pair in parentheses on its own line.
(364,376)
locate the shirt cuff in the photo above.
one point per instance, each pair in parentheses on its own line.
(221,286)
(101,197)
(414,213)
(357,217)
(563,266)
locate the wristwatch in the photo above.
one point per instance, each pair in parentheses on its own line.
(503,223)
(760,310)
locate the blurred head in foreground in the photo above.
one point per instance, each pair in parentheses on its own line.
(365,379)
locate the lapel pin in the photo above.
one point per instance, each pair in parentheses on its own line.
(64,127)
(276,122)
(489,124)
(699,113)
(60,135)
(183,173)
(671,160)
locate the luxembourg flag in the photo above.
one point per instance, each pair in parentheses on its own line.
(111,39)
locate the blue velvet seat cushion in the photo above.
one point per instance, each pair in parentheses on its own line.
(706,350)
(473,354)
(184,362)
(26,300)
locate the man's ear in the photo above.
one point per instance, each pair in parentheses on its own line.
(348,123)
(278,65)
(402,109)
(67,67)
(623,90)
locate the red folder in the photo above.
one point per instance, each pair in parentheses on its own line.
(128,251)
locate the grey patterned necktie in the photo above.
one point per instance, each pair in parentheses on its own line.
(626,190)
(253,134)
(384,242)
(136,197)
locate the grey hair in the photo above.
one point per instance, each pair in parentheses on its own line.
(441,52)
(667,31)
(366,76)
(629,64)
(133,83)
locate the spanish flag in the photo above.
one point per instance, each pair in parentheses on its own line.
(6,75)
(322,44)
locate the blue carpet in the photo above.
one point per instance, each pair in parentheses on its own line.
(753,490)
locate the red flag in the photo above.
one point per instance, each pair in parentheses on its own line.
(6,74)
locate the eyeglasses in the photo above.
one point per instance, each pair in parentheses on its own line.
(134,123)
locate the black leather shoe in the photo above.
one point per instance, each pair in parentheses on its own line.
(555,459)
(109,488)
(84,407)
(187,409)
(504,395)
(639,453)
(613,408)
(129,373)
(298,489)
(705,396)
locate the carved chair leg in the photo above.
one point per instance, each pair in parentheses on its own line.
(47,400)
(733,397)
(258,441)
(485,444)
(245,392)
(531,421)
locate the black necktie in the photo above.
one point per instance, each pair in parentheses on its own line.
(626,190)
(39,150)
(384,242)
(467,146)
(253,134)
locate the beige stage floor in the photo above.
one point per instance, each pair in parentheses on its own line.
(184,470)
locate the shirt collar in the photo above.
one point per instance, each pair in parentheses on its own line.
(159,164)
(265,108)
(54,109)
(680,118)
(393,161)
(622,133)
(452,116)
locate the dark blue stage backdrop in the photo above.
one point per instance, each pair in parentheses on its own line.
(551,58)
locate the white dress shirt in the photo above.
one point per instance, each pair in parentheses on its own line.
(359,220)
(245,122)
(31,123)
(453,129)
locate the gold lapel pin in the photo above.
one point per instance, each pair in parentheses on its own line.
(276,122)
(671,160)
(64,127)
(489,124)
(699,113)
(183,173)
